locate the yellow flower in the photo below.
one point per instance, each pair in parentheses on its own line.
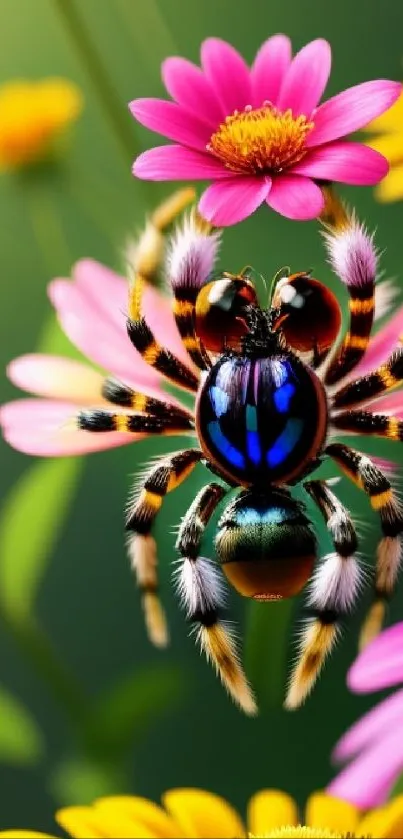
(196,813)
(388,140)
(32,115)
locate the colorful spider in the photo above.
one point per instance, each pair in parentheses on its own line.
(272,392)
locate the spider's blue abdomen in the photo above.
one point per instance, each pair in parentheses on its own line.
(261,420)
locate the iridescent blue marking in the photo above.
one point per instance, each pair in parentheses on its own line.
(231,454)
(252,437)
(219,400)
(274,515)
(282,397)
(285,442)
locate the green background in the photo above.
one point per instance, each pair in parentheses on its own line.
(167,721)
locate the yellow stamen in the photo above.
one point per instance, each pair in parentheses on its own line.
(260,140)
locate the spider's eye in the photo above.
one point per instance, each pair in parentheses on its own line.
(310,315)
(220,311)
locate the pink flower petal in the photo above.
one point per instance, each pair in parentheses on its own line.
(392,404)
(349,163)
(98,338)
(352,109)
(295,197)
(371,727)
(368,780)
(227,202)
(382,345)
(269,68)
(56,377)
(306,79)
(177,163)
(41,427)
(172,121)
(188,85)
(380,664)
(228,74)
(108,291)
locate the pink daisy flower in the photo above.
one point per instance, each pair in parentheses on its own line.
(260,133)
(90,307)
(374,744)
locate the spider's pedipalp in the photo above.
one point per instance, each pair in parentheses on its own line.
(192,253)
(354,258)
(333,592)
(201,590)
(376,485)
(145,504)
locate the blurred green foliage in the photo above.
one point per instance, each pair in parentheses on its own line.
(112,713)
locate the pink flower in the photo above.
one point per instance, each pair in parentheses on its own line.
(259,133)
(374,745)
(90,308)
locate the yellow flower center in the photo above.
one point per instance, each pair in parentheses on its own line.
(260,140)
(301,831)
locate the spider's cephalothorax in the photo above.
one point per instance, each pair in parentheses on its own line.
(274,388)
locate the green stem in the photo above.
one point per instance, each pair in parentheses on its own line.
(33,642)
(91,61)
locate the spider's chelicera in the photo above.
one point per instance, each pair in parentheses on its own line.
(273,390)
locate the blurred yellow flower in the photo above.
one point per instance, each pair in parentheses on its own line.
(195,813)
(33,114)
(388,140)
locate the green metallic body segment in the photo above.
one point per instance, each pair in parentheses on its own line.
(265,544)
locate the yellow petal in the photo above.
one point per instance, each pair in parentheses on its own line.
(325,811)
(391,188)
(81,821)
(269,809)
(130,817)
(387,822)
(390,145)
(23,834)
(202,815)
(389,121)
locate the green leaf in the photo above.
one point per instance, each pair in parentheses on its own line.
(31,520)
(21,741)
(126,712)
(76,781)
(266,650)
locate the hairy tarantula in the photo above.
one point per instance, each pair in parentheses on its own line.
(273,388)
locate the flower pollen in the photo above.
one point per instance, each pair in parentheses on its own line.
(260,140)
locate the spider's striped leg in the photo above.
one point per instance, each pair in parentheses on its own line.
(353,257)
(147,500)
(368,477)
(191,257)
(120,394)
(149,348)
(334,589)
(366,388)
(201,588)
(365,422)
(168,421)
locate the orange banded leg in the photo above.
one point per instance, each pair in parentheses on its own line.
(143,508)
(385,378)
(168,421)
(120,394)
(364,422)
(149,348)
(333,591)
(383,500)
(200,585)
